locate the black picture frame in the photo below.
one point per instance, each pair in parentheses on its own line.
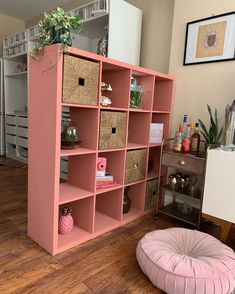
(210,39)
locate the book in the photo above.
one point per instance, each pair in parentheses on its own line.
(104,178)
(106,186)
(104,182)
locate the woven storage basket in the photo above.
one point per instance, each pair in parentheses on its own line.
(80,81)
(112,129)
(135,165)
(151,194)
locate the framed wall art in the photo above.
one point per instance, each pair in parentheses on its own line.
(210,39)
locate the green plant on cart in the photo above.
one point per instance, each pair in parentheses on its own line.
(212,134)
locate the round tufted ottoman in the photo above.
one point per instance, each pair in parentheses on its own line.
(185,261)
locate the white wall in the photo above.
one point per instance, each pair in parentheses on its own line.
(8,26)
(197,85)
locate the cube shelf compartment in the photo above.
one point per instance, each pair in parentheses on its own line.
(147,82)
(119,77)
(88,132)
(108,210)
(165,119)
(115,165)
(153,162)
(136,193)
(80,178)
(83,217)
(119,133)
(138,129)
(163,94)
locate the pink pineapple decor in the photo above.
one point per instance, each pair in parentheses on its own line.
(66,221)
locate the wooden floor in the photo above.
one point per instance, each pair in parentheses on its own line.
(106,264)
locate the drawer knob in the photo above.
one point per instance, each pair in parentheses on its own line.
(181,162)
(136,165)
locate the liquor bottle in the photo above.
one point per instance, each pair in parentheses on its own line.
(186,141)
(179,136)
(195,139)
(185,122)
(192,128)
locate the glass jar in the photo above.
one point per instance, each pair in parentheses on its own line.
(136,94)
(69,135)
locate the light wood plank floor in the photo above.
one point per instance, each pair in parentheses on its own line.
(106,264)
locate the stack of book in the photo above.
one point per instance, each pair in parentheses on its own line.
(105,181)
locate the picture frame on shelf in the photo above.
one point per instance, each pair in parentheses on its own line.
(210,39)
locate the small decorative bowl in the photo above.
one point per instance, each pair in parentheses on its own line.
(185,208)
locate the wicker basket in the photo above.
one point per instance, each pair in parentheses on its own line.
(112,129)
(135,165)
(81,80)
(151,194)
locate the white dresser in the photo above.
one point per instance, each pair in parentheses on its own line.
(219,189)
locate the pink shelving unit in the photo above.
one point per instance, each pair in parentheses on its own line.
(95,211)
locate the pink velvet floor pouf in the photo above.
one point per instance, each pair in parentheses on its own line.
(182,261)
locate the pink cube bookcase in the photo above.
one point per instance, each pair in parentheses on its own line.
(94,211)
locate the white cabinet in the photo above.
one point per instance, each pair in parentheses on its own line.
(219,191)
(16,101)
(125,23)
(117,18)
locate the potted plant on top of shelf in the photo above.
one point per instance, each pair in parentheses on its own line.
(55,28)
(213,134)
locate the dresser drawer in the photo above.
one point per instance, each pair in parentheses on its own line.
(186,163)
(11,139)
(22,121)
(10,119)
(23,142)
(10,129)
(22,132)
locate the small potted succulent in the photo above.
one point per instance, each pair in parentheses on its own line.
(213,134)
(55,28)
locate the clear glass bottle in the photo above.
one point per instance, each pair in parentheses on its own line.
(69,135)
(186,141)
(179,136)
(185,123)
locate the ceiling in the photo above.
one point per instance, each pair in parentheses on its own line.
(26,9)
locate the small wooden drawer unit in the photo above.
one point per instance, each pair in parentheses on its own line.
(151,194)
(113,126)
(80,82)
(135,165)
(186,163)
